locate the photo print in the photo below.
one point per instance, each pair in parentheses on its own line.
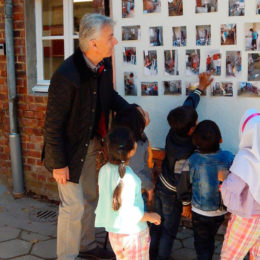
(192,62)
(171,62)
(191,86)
(129,55)
(213,62)
(128,8)
(172,87)
(254,67)
(150,63)
(130,84)
(257,6)
(179,36)
(236,8)
(249,89)
(152,6)
(233,64)
(149,88)
(175,7)
(252,33)
(131,33)
(206,6)
(203,35)
(222,89)
(156,36)
(228,34)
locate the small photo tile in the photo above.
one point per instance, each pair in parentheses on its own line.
(228,34)
(257,6)
(172,87)
(175,7)
(130,84)
(254,67)
(128,8)
(150,63)
(206,6)
(192,62)
(203,35)
(213,62)
(249,89)
(129,55)
(171,62)
(156,36)
(252,39)
(131,33)
(222,89)
(236,8)
(233,64)
(152,6)
(179,36)
(190,86)
(149,88)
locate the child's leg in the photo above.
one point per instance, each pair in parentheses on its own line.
(241,235)
(255,250)
(205,229)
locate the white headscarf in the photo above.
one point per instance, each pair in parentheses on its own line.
(246,164)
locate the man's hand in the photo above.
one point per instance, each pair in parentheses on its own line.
(204,80)
(186,211)
(61,175)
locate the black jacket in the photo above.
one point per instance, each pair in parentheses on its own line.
(70,117)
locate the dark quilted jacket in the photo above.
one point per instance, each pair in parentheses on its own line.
(71,109)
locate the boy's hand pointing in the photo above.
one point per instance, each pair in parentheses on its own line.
(205,80)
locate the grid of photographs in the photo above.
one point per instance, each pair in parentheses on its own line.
(218,62)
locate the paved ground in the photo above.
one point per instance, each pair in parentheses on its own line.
(28,231)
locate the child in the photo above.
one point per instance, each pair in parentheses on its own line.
(201,172)
(120,208)
(136,119)
(241,193)
(178,148)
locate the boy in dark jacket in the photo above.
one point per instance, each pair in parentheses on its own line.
(178,148)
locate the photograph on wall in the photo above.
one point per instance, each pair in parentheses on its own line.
(130,84)
(156,36)
(203,35)
(213,62)
(171,62)
(236,8)
(172,87)
(131,33)
(152,6)
(257,6)
(254,67)
(192,62)
(206,6)
(228,34)
(233,64)
(222,89)
(149,88)
(191,86)
(128,8)
(150,63)
(179,36)
(129,55)
(252,33)
(175,7)
(249,89)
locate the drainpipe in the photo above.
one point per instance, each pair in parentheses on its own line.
(14,137)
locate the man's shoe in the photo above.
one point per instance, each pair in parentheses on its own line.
(97,253)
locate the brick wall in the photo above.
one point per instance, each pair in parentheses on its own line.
(31,113)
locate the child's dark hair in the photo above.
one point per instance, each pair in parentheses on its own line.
(132,118)
(118,143)
(207,137)
(182,119)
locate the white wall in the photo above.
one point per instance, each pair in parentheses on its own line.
(225,111)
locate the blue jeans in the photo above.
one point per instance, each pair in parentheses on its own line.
(162,236)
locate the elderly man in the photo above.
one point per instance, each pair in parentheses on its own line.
(81,95)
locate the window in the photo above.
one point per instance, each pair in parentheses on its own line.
(57,29)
